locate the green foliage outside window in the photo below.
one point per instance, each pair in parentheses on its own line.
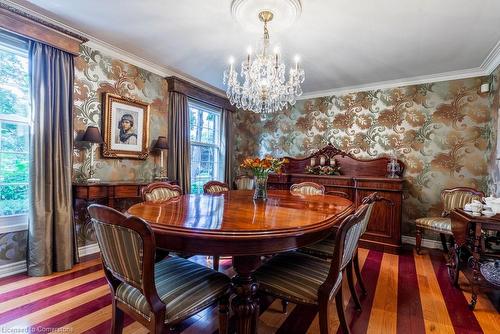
(14,133)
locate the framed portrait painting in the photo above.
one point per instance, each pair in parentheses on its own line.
(125,126)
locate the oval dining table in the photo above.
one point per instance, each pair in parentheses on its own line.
(233,224)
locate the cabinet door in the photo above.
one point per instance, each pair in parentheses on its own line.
(384,226)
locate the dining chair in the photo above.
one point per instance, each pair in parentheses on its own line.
(158,295)
(306,279)
(158,192)
(215,188)
(451,199)
(244,182)
(307,188)
(324,249)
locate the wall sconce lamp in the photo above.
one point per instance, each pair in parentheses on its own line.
(93,136)
(161,145)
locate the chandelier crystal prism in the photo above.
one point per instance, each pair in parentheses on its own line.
(264,87)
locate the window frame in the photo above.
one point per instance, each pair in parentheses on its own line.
(218,137)
(16,222)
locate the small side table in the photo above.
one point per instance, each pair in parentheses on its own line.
(467,232)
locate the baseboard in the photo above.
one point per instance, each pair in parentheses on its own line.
(12,268)
(427,243)
(88,249)
(20,266)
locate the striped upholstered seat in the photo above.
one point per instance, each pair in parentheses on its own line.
(160,192)
(451,199)
(157,295)
(307,188)
(243,182)
(215,187)
(437,224)
(306,279)
(184,286)
(294,276)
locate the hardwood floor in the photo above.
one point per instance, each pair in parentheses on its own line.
(407,294)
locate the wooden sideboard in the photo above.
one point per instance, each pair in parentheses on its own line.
(358,179)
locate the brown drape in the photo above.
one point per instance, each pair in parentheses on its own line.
(227,126)
(51,238)
(179,155)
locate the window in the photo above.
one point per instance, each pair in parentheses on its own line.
(15,123)
(207,160)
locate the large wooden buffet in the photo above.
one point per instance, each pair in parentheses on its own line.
(358,179)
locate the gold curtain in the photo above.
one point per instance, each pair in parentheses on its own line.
(179,155)
(51,235)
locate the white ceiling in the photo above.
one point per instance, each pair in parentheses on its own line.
(342,43)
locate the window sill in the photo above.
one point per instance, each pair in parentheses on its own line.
(13,223)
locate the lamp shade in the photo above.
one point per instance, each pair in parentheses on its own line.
(92,135)
(161,143)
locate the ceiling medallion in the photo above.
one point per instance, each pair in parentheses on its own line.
(286,12)
(264,87)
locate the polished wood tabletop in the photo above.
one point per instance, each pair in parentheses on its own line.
(234,224)
(235,213)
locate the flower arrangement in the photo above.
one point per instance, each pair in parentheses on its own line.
(262,167)
(323,170)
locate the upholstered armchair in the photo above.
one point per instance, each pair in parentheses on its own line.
(309,280)
(158,192)
(307,188)
(158,295)
(451,199)
(243,182)
(215,187)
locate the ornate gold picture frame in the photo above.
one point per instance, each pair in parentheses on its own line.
(125,124)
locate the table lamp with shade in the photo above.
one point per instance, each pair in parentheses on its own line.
(161,145)
(93,136)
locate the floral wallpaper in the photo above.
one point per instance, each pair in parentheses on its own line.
(96,73)
(13,247)
(444,132)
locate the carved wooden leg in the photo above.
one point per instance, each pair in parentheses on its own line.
(216,263)
(418,240)
(339,303)
(284,304)
(245,305)
(323,316)
(358,273)
(224,315)
(350,281)
(444,242)
(116,320)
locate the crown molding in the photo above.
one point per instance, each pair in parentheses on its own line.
(492,60)
(489,64)
(113,51)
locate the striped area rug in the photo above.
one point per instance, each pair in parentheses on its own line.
(407,294)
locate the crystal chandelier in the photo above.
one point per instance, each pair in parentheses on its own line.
(264,88)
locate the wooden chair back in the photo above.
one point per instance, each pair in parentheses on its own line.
(307,188)
(457,198)
(158,192)
(346,242)
(127,247)
(215,187)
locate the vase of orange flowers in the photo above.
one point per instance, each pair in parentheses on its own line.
(261,169)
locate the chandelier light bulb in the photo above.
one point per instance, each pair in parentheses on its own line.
(231,60)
